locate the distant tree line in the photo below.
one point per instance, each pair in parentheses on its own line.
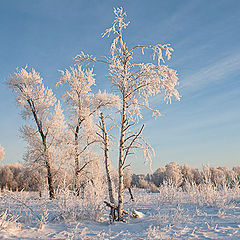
(183,176)
(17,177)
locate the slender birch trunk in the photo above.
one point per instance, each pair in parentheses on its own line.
(76,180)
(46,153)
(107,166)
(49,169)
(78,153)
(121,163)
(130,192)
(49,178)
(123,129)
(107,160)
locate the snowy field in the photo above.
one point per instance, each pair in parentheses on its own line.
(198,213)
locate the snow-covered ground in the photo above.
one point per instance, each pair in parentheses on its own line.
(204,213)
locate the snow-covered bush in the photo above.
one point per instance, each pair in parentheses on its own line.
(9,222)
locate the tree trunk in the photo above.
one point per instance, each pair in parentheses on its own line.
(121,163)
(76,178)
(107,166)
(46,154)
(130,192)
(50,180)
(49,171)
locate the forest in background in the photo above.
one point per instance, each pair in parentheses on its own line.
(18,177)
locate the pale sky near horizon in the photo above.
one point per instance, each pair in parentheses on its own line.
(203,128)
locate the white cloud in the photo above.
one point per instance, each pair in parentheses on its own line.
(2,153)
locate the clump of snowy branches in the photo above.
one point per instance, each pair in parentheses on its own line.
(9,222)
(2,153)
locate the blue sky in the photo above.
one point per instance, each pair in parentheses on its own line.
(203,128)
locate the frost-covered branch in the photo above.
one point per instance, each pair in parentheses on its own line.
(131,143)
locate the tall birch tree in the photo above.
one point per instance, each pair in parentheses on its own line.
(134,82)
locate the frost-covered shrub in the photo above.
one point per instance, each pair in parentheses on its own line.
(72,207)
(89,201)
(9,222)
(154,232)
(176,216)
(208,194)
(168,192)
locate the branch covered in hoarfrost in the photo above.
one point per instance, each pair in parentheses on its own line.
(2,153)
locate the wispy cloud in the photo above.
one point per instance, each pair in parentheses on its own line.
(218,71)
(178,18)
